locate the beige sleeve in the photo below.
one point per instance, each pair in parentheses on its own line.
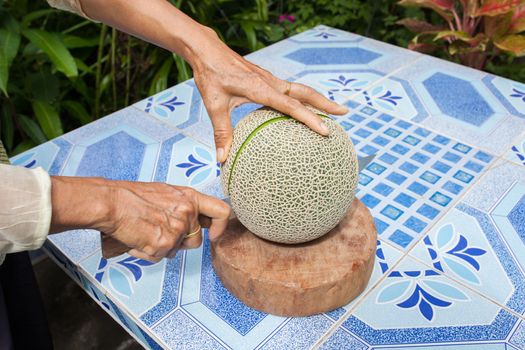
(25,208)
(68,5)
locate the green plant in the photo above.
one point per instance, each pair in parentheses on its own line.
(59,71)
(475,31)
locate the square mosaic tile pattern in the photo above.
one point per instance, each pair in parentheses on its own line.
(416,175)
(446,189)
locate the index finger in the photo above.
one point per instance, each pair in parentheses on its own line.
(293,108)
(217,211)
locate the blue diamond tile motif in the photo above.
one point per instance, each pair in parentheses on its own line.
(516,216)
(333,55)
(113,158)
(509,217)
(433,282)
(458,98)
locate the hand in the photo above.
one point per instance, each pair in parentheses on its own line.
(226,80)
(150,218)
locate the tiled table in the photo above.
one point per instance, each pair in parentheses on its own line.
(447,191)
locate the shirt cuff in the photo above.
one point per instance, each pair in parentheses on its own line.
(69,5)
(25,209)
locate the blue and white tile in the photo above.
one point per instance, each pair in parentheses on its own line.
(147,291)
(63,261)
(216,310)
(338,84)
(467,246)
(494,184)
(516,151)
(119,316)
(322,34)
(179,331)
(123,146)
(460,105)
(416,176)
(270,58)
(416,305)
(510,93)
(298,333)
(172,106)
(362,53)
(49,156)
(186,162)
(386,258)
(76,245)
(394,96)
(341,339)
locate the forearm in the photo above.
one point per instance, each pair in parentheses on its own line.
(80,203)
(155,21)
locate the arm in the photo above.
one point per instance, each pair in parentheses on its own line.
(224,78)
(152,219)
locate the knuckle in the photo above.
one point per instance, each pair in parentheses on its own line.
(150,250)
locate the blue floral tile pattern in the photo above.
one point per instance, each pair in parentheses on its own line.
(446,190)
(430,309)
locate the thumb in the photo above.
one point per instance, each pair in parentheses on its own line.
(223,134)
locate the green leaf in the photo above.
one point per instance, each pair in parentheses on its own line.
(43,86)
(8,128)
(22,147)
(248,28)
(9,43)
(454,34)
(183,69)
(160,80)
(4,73)
(55,49)
(514,44)
(9,22)
(73,42)
(497,26)
(82,66)
(48,119)
(77,111)
(27,19)
(31,129)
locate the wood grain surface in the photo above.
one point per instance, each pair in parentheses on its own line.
(303,279)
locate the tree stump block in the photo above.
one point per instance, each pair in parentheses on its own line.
(302,279)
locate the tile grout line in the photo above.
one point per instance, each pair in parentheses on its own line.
(350,311)
(105,293)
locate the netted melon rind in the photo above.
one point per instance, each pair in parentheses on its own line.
(289,184)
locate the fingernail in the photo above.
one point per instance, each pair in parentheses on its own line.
(324,128)
(343,109)
(220,154)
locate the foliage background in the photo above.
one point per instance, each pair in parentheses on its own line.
(59,71)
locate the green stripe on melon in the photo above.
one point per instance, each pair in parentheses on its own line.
(286,183)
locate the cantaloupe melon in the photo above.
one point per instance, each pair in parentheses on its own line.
(287,183)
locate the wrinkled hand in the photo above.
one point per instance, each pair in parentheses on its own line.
(152,219)
(226,80)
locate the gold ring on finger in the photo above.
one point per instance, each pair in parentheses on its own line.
(194,233)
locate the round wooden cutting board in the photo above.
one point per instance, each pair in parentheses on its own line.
(303,279)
